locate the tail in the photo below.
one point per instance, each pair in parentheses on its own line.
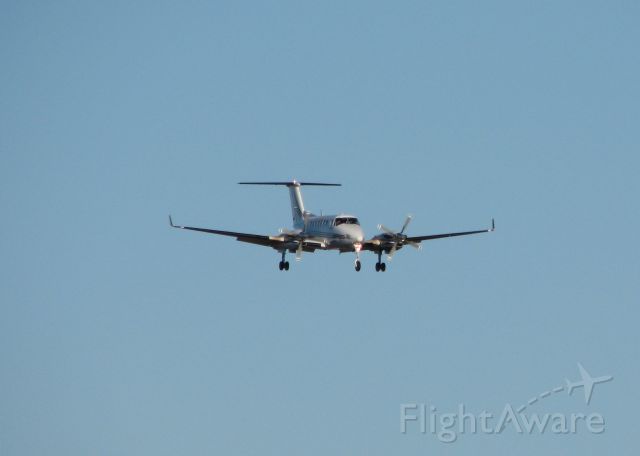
(297,205)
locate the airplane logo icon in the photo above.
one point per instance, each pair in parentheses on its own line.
(587,382)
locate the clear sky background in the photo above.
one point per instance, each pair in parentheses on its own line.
(121,336)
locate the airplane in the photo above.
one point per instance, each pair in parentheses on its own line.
(341,232)
(587,382)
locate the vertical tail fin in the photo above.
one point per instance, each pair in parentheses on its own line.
(297,206)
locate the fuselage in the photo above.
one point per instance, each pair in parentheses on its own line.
(340,231)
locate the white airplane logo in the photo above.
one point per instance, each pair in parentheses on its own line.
(587,382)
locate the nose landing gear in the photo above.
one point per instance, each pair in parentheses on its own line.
(358,266)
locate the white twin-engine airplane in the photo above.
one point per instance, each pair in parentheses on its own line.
(340,232)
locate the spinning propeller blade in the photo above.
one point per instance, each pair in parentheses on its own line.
(385,229)
(392,252)
(299,251)
(398,239)
(406,223)
(415,245)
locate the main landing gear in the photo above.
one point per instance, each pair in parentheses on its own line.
(358,265)
(283,265)
(380,266)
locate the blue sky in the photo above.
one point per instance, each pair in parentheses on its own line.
(121,336)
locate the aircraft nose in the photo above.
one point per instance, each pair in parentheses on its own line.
(352,232)
(359,235)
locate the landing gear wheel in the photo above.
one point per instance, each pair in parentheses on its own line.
(377,267)
(281,265)
(358,265)
(383,267)
(286,265)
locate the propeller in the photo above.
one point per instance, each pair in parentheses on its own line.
(398,238)
(297,235)
(299,251)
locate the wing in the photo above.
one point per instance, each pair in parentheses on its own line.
(446,235)
(277,242)
(270,241)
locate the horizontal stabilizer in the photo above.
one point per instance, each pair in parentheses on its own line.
(290,183)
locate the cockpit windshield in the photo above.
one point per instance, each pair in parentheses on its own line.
(347,221)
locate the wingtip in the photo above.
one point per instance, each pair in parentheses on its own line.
(171,222)
(493,224)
